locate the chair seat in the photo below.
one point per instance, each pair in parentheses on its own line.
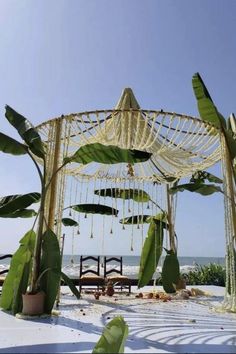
(91,279)
(118,278)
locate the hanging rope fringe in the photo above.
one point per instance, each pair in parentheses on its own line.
(230,230)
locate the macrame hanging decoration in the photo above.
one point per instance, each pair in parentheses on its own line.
(230,229)
(180,145)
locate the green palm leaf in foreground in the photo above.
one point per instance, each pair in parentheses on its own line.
(21,213)
(170,272)
(94,209)
(107,154)
(16,281)
(113,337)
(26,130)
(12,203)
(210,114)
(151,252)
(206,107)
(11,146)
(50,268)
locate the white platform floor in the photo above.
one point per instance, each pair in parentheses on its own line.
(184,326)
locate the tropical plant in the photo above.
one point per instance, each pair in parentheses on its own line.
(210,274)
(197,184)
(36,265)
(113,337)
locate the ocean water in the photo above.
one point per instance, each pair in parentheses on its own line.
(131,264)
(71,265)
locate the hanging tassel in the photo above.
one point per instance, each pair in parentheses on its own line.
(111,232)
(85,216)
(131,248)
(78,232)
(123,227)
(138,227)
(70,214)
(148,206)
(91,236)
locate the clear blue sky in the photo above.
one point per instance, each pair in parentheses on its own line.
(58,57)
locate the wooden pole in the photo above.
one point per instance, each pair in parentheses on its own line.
(53,186)
(170,220)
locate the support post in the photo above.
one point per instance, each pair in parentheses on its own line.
(170,219)
(53,186)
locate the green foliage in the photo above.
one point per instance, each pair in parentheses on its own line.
(21,213)
(113,337)
(151,253)
(16,281)
(11,146)
(210,114)
(71,285)
(26,130)
(200,188)
(15,204)
(206,107)
(69,222)
(201,176)
(170,272)
(50,268)
(145,219)
(94,209)
(137,195)
(197,184)
(136,219)
(210,274)
(107,154)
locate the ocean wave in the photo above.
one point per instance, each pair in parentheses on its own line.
(73,270)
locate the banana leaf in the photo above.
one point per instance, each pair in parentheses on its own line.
(170,272)
(11,146)
(145,219)
(201,176)
(71,285)
(203,189)
(17,278)
(12,203)
(151,253)
(206,107)
(69,222)
(51,267)
(21,213)
(136,219)
(210,114)
(113,337)
(136,194)
(107,154)
(26,130)
(94,209)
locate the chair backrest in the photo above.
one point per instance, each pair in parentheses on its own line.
(85,271)
(118,270)
(3,257)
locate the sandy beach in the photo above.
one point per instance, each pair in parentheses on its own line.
(178,326)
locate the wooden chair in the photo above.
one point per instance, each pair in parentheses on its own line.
(2,277)
(123,282)
(87,279)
